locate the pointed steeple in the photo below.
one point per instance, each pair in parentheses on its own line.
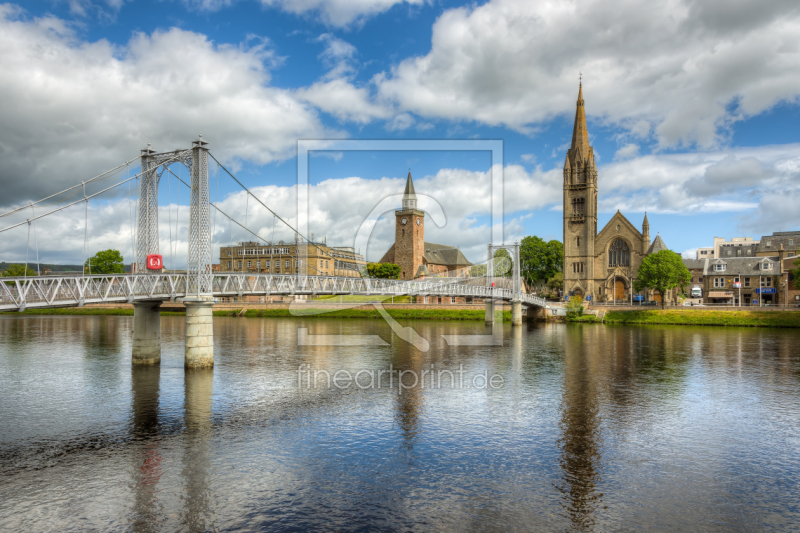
(580,134)
(645,224)
(409,196)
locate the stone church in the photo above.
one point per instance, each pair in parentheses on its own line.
(417,258)
(599,266)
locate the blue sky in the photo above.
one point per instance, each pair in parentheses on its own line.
(692,107)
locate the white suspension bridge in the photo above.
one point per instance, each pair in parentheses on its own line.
(199,286)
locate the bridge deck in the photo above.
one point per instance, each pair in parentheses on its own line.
(17,294)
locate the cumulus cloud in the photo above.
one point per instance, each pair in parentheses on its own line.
(338,207)
(338,13)
(83,107)
(665,69)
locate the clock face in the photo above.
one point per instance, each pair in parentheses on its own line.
(419,222)
(404,221)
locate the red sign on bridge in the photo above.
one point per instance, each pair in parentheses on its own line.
(155,262)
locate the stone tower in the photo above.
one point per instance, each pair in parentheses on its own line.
(580,205)
(645,234)
(409,236)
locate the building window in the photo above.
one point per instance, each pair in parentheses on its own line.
(577,206)
(266,264)
(240,265)
(729,253)
(287,265)
(791,242)
(619,254)
(258,264)
(578,240)
(229,265)
(766,282)
(746,282)
(769,244)
(452,299)
(739,252)
(249,264)
(720,267)
(719,282)
(748,251)
(700,279)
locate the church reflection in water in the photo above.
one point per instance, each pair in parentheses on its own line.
(580,441)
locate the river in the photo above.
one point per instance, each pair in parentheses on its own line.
(583,428)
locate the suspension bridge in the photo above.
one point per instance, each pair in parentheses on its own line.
(199,286)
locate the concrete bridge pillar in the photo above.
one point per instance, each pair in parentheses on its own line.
(199,350)
(516,313)
(146,345)
(489,311)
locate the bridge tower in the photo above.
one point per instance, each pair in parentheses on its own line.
(199,341)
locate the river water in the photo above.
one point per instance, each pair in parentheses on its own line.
(586,428)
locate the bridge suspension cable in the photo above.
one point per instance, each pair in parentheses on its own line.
(86,198)
(99,177)
(267,207)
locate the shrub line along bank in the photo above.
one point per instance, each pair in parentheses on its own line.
(787,319)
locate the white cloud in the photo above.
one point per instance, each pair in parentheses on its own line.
(528,158)
(626,152)
(669,68)
(338,13)
(80,107)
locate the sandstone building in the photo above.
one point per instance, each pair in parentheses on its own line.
(598,266)
(417,258)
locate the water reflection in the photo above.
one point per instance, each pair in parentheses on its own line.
(148,512)
(580,441)
(197,513)
(409,404)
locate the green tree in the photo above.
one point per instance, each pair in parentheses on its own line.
(540,260)
(105,262)
(18,271)
(794,274)
(575,306)
(556,283)
(503,264)
(383,270)
(662,271)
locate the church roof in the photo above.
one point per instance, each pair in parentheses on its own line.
(657,246)
(441,254)
(409,192)
(580,134)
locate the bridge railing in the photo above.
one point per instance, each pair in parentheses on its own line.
(66,291)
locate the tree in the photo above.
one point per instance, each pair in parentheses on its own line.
(662,271)
(540,260)
(105,262)
(502,266)
(383,270)
(794,274)
(556,283)
(18,271)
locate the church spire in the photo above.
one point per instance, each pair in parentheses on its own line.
(409,196)
(580,134)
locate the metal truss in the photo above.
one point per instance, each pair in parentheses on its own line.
(199,261)
(515,274)
(18,294)
(147,233)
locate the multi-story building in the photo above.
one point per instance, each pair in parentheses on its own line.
(786,243)
(308,259)
(736,247)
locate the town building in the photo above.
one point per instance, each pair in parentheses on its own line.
(791,284)
(303,258)
(598,266)
(745,281)
(736,247)
(783,243)
(417,258)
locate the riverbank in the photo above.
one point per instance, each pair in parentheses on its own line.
(304,312)
(696,317)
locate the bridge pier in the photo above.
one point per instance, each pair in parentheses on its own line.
(199,341)
(489,311)
(146,345)
(516,313)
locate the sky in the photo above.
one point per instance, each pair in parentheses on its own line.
(693,110)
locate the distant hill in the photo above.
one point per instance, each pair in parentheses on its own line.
(54,268)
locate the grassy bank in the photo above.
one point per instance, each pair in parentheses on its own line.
(692,317)
(415,314)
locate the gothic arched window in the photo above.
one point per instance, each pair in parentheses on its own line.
(577,206)
(619,254)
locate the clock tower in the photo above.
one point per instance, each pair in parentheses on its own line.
(409,234)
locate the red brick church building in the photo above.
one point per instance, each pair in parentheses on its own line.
(417,258)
